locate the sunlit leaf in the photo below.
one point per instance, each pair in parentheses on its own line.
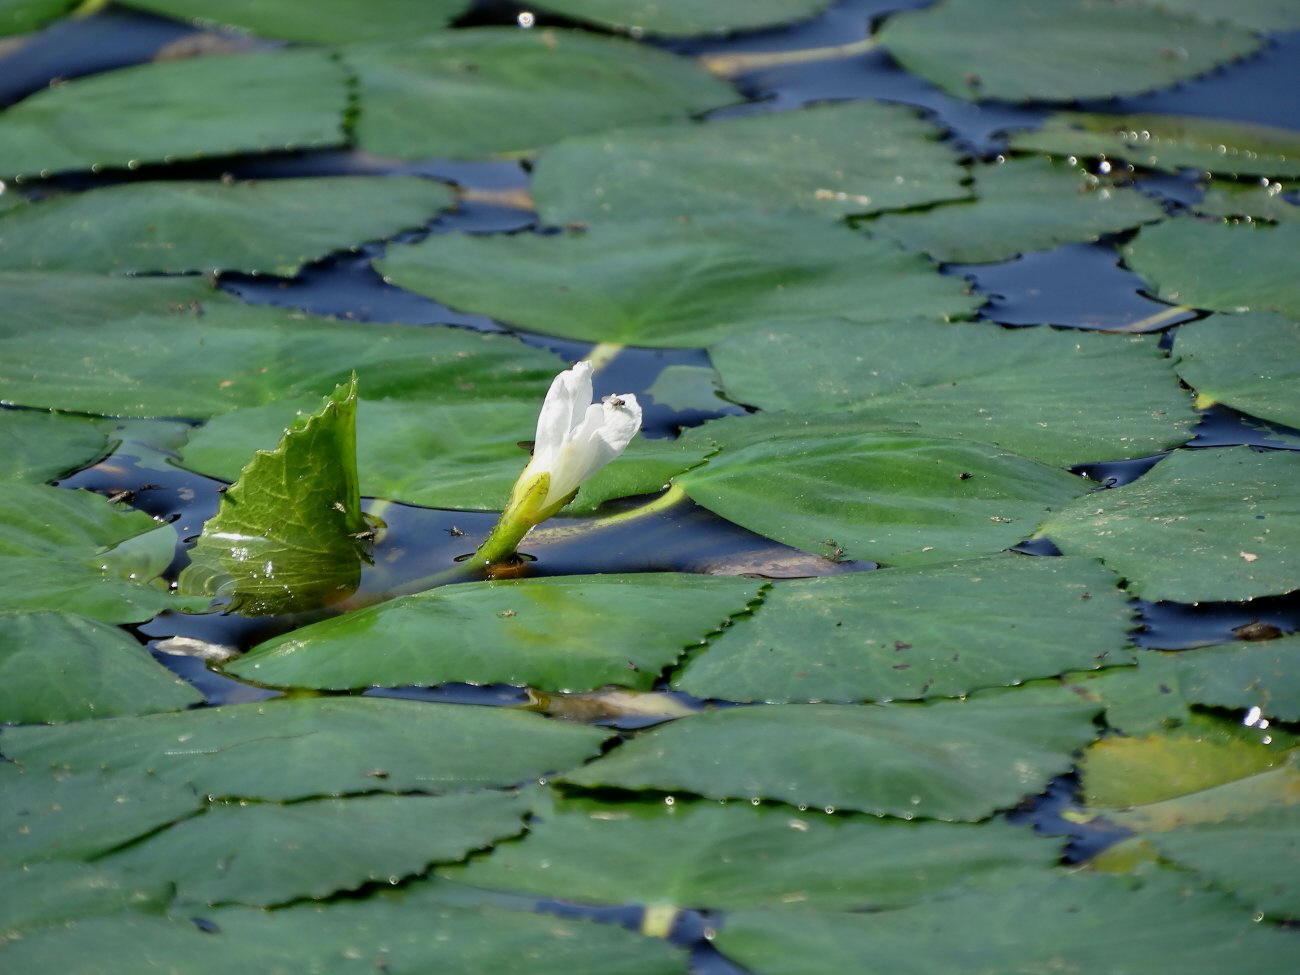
(287,536)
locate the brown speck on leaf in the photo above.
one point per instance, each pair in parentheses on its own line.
(902,666)
(1000,520)
(506,613)
(965,476)
(1248,556)
(1255,630)
(900,645)
(378,773)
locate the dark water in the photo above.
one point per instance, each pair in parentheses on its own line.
(1078,285)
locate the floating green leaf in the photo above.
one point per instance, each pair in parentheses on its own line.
(74,551)
(938,631)
(554,633)
(37,446)
(268,853)
(1139,700)
(300,747)
(330,21)
(687,16)
(1250,362)
(223,354)
(826,487)
(1170,142)
(50,814)
(706,855)
(1251,202)
(1201,524)
(60,667)
(1064,51)
(287,536)
(38,300)
(1034,391)
(177,110)
(488,91)
(1245,675)
(457,454)
(662,283)
(953,760)
(847,157)
(1219,265)
(1023,205)
(1260,15)
(1067,923)
(40,895)
(271,226)
(1253,856)
(413,932)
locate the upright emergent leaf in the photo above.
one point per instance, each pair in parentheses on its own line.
(286,535)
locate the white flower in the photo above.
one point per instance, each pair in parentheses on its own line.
(576,437)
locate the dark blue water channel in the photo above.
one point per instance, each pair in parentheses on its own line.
(1078,286)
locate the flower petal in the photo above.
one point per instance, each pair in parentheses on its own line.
(562,410)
